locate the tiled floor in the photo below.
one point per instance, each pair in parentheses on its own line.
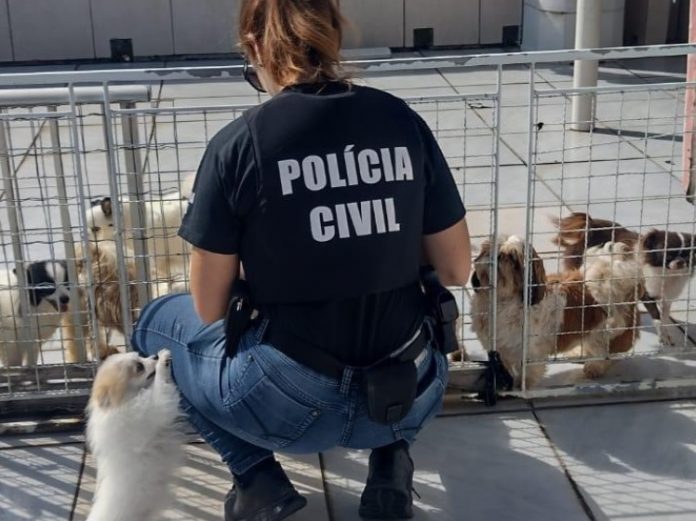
(617,462)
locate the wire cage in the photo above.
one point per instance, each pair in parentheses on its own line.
(95,181)
(609,219)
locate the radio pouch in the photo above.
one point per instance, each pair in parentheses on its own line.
(238,316)
(391,389)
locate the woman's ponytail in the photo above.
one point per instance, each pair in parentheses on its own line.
(298,41)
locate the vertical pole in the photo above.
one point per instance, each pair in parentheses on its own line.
(68,240)
(531,177)
(688,162)
(585,72)
(136,193)
(119,231)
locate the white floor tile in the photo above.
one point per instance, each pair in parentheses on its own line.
(39,483)
(491,467)
(633,462)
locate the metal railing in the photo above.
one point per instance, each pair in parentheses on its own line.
(71,139)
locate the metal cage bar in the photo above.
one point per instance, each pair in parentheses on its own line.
(147,147)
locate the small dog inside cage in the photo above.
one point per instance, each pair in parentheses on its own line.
(667,259)
(23,331)
(107,302)
(167,274)
(592,307)
(163,217)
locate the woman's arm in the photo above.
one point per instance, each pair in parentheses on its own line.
(212,275)
(449,252)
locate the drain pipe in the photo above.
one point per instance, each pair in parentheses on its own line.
(688,160)
(585,72)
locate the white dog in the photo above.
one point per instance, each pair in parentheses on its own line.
(162,216)
(134,435)
(22,332)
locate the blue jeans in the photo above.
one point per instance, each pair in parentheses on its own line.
(262,401)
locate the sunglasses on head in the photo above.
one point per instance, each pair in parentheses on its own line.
(252,77)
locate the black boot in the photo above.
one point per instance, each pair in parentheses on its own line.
(388,492)
(267,495)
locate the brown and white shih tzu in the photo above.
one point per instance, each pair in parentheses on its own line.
(667,260)
(592,307)
(134,433)
(102,265)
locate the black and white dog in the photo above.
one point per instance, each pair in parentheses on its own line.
(23,331)
(667,258)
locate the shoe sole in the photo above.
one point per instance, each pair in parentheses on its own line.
(385,503)
(280,511)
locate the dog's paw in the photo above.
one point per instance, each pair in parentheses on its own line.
(459,355)
(164,364)
(668,332)
(594,370)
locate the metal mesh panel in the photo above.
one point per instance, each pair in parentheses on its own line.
(82,170)
(624,174)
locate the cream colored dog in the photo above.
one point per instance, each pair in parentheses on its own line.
(134,434)
(593,307)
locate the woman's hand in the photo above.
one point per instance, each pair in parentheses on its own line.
(212,275)
(449,252)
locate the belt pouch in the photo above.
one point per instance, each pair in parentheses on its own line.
(391,389)
(238,317)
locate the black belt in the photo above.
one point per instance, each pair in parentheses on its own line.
(324,363)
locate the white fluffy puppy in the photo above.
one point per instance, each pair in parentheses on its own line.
(163,215)
(134,435)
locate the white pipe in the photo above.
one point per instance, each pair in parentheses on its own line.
(585,74)
(61,95)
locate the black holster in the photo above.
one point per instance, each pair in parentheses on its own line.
(391,389)
(238,317)
(442,311)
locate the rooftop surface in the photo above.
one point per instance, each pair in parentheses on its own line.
(519,460)
(627,462)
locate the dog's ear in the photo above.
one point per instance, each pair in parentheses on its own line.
(102,397)
(109,390)
(538,280)
(651,241)
(34,295)
(106,206)
(475,282)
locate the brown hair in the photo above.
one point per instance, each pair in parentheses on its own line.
(298,40)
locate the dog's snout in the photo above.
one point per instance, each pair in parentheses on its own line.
(677,264)
(155,357)
(64,299)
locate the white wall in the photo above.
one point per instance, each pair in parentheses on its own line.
(50,29)
(215,30)
(550,24)
(455,22)
(5,40)
(147,22)
(73,29)
(374,23)
(496,14)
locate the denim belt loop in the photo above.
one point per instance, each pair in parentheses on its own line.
(346,380)
(261,331)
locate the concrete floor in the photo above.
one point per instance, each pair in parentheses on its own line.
(614,462)
(624,462)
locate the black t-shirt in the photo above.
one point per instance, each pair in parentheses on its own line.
(325,192)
